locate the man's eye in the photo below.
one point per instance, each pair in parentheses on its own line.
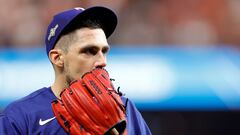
(91,51)
(105,50)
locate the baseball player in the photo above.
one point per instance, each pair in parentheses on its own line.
(82,99)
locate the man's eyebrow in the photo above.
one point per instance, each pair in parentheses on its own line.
(106,47)
(96,46)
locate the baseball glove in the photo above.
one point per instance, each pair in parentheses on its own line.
(91,105)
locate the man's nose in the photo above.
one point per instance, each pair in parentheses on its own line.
(100,61)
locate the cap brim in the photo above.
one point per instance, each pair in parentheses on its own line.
(106,17)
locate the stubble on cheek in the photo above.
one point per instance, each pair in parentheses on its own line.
(72,75)
(67,73)
(68,80)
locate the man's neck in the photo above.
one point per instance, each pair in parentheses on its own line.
(58,86)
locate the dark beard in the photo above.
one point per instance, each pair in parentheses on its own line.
(69,80)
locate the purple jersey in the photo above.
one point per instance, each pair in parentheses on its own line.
(33,115)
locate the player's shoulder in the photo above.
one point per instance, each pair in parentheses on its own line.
(130,106)
(25,112)
(127,101)
(28,101)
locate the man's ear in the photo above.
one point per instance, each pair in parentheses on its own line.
(56,57)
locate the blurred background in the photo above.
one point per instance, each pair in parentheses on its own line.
(178,60)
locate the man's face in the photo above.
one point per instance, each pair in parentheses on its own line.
(88,52)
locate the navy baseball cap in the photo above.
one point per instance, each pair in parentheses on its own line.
(62,22)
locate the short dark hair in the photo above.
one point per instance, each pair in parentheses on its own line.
(92,24)
(68,36)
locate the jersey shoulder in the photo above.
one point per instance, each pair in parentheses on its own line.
(136,124)
(29,102)
(23,116)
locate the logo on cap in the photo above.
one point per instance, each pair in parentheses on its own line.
(52,32)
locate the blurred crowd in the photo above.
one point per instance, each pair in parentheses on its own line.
(215,23)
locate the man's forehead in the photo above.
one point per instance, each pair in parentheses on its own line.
(91,35)
(86,38)
(87,30)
